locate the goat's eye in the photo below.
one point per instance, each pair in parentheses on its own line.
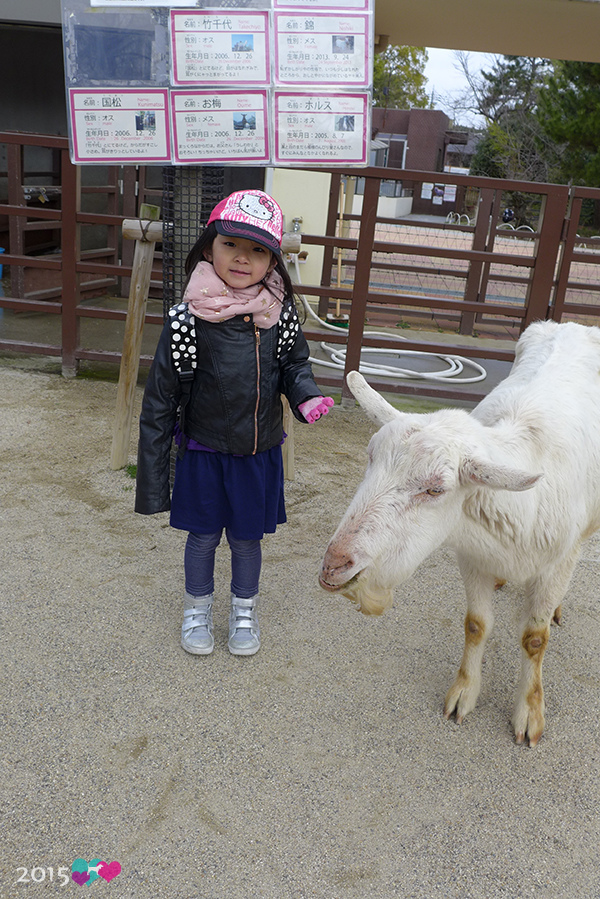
(434,491)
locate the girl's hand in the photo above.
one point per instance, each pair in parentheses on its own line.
(315,407)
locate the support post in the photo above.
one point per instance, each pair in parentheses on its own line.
(287,450)
(146,233)
(541,286)
(360,291)
(70,258)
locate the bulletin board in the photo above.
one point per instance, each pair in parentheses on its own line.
(264,82)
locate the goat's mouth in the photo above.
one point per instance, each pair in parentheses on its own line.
(337,588)
(368,596)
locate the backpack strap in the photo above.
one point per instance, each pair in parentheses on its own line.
(184,354)
(183,338)
(289,326)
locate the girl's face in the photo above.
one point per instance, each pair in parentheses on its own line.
(238,261)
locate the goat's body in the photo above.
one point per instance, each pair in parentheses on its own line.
(513,487)
(547,416)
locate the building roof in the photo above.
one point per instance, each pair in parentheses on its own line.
(554,29)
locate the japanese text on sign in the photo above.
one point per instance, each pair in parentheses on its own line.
(228,125)
(326,128)
(321,49)
(128,124)
(218,47)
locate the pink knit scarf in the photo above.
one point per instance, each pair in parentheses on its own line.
(211,299)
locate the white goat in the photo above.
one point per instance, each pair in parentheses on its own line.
(513,487)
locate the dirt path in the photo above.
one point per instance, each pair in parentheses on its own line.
(321,768)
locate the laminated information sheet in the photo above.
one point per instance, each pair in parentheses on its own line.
(320,49)
(326,128)
(228,125)
(126,124)
(274,82)
(220,46)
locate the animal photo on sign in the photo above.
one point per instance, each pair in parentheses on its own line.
(243,121)
(242,43)
(342,43)
(344,123)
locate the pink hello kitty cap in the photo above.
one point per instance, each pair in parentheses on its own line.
(252,214)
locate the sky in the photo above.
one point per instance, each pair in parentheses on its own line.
(446,78)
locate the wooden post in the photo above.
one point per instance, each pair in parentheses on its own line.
(287,449)
(145,231)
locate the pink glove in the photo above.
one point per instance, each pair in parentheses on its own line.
(315,407)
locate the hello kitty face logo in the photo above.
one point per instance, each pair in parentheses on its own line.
(259,207)
(250,213)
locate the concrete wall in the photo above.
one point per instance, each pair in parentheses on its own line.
(387,207)
(304,194)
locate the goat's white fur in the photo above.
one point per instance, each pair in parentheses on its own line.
(513,487)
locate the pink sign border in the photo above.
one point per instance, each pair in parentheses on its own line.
(323,6)
(366,16)
(264,14)
(254,160)
(313,161)
(133,160)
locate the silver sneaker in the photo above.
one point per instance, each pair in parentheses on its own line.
(197,628)
(244,633)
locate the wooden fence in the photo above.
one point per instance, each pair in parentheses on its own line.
(465,273)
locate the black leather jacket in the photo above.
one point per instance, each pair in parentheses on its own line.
(234,405)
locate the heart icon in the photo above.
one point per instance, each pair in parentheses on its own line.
(79,871)
(108,872)
(93,869)
(82,872)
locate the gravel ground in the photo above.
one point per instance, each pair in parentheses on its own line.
(322,767)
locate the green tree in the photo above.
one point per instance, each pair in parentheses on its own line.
(507,96)
(513,143)
(569,113)
(487,158)
(399,78)
(512,85)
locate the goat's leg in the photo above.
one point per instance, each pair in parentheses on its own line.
(462,695)
(543,604)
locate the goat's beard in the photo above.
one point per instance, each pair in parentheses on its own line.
(368,594)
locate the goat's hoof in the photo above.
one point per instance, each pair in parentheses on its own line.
(454,714)
(529,727)
(532,741)
(460,699)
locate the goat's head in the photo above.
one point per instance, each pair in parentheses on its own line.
(420,469)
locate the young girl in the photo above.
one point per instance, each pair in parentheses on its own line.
(227,353)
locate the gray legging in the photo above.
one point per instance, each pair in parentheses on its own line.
(199,563)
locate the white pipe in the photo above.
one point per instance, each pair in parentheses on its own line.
(337,353)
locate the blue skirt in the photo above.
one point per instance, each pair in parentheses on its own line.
(213,491)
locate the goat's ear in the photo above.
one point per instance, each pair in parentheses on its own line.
(378,409)
(498,477)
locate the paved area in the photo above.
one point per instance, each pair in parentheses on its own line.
(322,767)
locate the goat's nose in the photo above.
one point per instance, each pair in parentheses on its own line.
(335,565)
